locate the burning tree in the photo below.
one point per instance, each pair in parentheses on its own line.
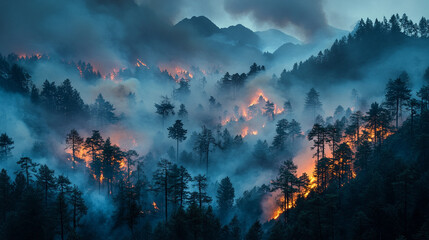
(162,182)
(74,142)
(343,164)
(286,182)
(377,120)
(110,165)
(94,146)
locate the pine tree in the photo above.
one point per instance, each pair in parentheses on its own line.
(103,111)
(269,110)
(164,109)
(182,113)
(312,102)
(63,185)
(397,95)
(202,144)
(110,164)
(27,168)
(46,181)
(295,130)
(201,185)
(94,146)
(255,232)
(318,136)
(286,182)
(343,164)
(178,133)
(377,120)
(74,142)
(161,179)
(279,142)
(6,199)
(225,196)
(78,206)
(180,179)
(6,146)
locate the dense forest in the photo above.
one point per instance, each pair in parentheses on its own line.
(160,152)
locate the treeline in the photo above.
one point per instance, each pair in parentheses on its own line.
(371,183)
(39,205)
(366,43)
(58,100)
(230,85)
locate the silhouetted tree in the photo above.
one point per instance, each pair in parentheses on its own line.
(286,182)
(164,109)
(312,102)
(103,111)
(397,96)
(94,147)
(28,167)
(161,179)
(182,113)
(74,142)
(225,196)
(46,180)
(178,133)
(255,232)
(200,182)
(279,142)
(78,206)
(6,146)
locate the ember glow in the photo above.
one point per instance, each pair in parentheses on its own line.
(177,72)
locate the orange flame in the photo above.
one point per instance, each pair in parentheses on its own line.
(155,206)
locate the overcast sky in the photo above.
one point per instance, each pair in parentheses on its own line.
(341,14)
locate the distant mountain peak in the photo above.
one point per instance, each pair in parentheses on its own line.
(200,25)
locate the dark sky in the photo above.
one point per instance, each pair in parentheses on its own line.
(341,14)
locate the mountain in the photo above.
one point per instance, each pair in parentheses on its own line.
(239,35)
(272,39)
(372,48)
(199,25)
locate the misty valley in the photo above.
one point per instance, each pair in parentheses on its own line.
(194,131)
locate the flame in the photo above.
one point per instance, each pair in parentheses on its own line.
(177,71)
(277,213)
(139,63)
(244,131)
(24,56)
(155,206)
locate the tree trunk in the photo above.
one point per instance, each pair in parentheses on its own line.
(397,112)
(177,148)
(165,195)
(61,220)
(74,215)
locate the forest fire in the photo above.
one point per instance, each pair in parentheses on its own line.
(259,105)
(155,206)
(139,63)
(24,56)
(177,73)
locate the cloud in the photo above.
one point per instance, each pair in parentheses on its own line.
(308,16)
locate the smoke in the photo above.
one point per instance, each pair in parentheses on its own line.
(307,16)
